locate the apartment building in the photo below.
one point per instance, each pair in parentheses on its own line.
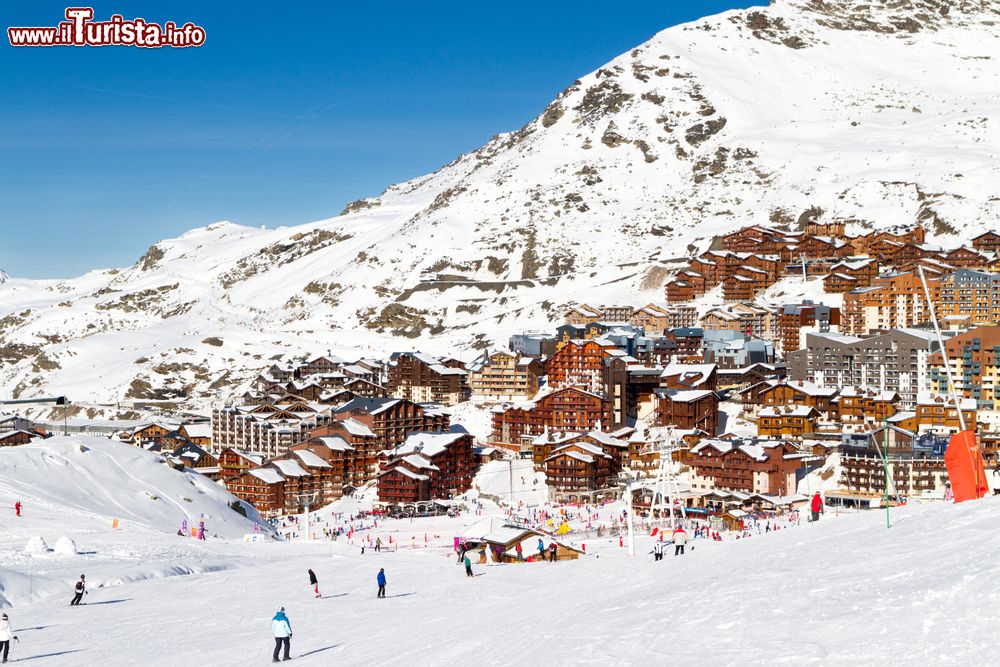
(895,361)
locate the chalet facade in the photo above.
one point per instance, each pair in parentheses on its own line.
(422,378)
(504,376)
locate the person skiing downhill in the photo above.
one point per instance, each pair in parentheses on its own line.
(816,506)
(680,539)
(468,567)
(81,590)
(380,580)
(658,550)
(17,508)
(314,582)
(378,544)
(281,628)
(6,636)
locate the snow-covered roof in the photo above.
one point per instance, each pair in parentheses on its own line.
(335,443)
(310,458)
(200,430)
(290,468)
(354,427)
(267,475)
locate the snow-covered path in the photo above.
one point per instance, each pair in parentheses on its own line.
(845,591)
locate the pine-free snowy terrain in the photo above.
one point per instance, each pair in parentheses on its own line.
(874,113)
(844,591)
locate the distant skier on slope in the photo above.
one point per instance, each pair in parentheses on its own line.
(468,567)
(380,580)
(81,590)
(658,550)
(552,551)
(17,508)
(6,636)
(680,537)
(314,582)
(816,506)
(281,628)
(541,549)
(378,544)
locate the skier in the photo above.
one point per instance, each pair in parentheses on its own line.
(461,553)
(6,635)
(314,582)
(468,567)
(658,550)
(520,553)
(552,552)
(81,590)
(949,494)
(378,544)
(541,549)
(816,506)
(680,539)
(17,508)
(281,628)
(380,580)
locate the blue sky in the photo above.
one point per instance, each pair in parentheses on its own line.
(280,118)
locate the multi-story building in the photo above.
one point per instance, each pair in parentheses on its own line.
(858,409)
(938,414)
(268,429)
(785,393)
(422,378)
(652,318)
(749,465)
(599,367)
(796,319)
(787,421)
(688,409)
(894,301)
(427,466)
(972,293)
(850,274)
(750,319)
(568,410)
(974,357)
(987,242)
(893,361)
(504,376)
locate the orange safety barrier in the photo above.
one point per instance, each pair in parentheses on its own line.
(965,467)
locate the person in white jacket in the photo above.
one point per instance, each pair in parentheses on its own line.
(6,635)
(680,539)
(281,627)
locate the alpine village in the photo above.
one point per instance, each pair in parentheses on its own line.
(746,395)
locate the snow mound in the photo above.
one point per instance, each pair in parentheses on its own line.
(98,480)
(36,545)
(65,546)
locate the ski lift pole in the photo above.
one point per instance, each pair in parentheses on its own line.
(885,463)
(631,532)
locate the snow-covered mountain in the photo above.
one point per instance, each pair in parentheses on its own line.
(876,113)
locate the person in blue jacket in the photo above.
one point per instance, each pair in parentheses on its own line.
(380,579)
(281,628)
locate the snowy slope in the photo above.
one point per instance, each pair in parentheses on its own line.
(97,480)
(875,113)
(845,591)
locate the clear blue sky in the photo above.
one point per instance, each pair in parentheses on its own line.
(289,110)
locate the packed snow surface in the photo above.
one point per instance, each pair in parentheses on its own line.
(843,591)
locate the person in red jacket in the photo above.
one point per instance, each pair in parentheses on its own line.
(17,508)
(816,506)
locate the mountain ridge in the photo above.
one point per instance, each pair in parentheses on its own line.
(779,115)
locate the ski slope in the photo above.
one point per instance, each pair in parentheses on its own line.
(843,591)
